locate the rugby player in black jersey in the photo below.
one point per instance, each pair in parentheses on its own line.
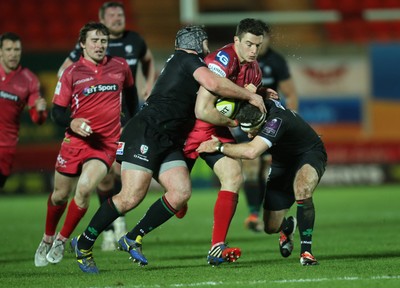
(298,163)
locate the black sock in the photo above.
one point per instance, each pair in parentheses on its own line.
(103,196)
(104,216)
(251,189)
(158,213)
(305,220)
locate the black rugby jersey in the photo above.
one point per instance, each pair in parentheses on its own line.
(274,69)
(289,134)
(170,107)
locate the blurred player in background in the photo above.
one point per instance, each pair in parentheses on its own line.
(275,75)
(91,88)
(19,87)
(131,46)
(298,163)
(236,62)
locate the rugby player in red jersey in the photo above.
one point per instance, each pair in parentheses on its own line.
(92,89)
(236,62)
(130,45)
(19,87)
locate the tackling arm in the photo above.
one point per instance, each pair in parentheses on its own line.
(250,150)
(205,109)
(226,88)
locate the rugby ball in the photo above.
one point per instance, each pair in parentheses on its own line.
(227,107)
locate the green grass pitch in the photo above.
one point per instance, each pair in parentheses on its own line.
(355,240)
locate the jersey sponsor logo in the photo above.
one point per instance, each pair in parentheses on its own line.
(9,96)
(216,69)
(141,157)
(100,88)
(117,44)
(271,128)
(120,148)
(82,81)
(223,58)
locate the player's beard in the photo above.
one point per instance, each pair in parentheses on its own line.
(117,29)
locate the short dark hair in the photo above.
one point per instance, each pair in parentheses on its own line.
(90,27)
(9,36)
(248,113)
(253,26)
(102,9)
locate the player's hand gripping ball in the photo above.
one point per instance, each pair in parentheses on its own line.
(227,107)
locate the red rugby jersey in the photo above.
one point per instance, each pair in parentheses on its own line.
(93,91)
(17,89)
(225,63)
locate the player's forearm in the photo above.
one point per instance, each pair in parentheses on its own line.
(242,151)
(229,89)
(213,116)
(205,110)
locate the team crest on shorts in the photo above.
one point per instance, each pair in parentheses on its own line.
(120,148)
(144,149)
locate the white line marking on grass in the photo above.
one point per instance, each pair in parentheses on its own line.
(257,282)
(336,279)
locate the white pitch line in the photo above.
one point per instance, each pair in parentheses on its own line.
(257,282)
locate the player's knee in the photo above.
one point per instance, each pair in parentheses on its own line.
(231,181)
(184,196)
(304,191)
(271,229)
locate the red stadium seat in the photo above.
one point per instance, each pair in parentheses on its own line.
(391,4)
(371,4)
(325,4)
